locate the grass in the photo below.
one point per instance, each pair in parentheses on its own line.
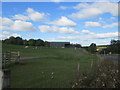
(100,48)
(28,74)
(40,51)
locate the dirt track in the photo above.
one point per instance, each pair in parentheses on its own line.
(111,57)
(33,57)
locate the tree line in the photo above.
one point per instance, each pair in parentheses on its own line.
(113,48)
(30,42)
(92,48)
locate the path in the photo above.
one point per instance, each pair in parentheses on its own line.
(34,57)
(111,57)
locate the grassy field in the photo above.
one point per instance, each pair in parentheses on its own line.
(36,73)
(100,48)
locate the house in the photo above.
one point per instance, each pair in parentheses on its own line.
(59,44)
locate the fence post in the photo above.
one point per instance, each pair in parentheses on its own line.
(91,63)
(18,57)
(9,57)
(4,60)
(78,70)
(6,78)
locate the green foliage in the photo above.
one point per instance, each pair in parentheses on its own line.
(103,75)
(20,41)
(25,42)
(39,42)
(47,44)
(13,40)
(31,42)
(92,48)
(114,47)
(85,47)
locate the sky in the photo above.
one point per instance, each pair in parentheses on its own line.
(77,22)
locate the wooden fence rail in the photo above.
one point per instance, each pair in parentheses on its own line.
(9,57)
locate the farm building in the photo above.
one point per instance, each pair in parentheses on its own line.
(59,44)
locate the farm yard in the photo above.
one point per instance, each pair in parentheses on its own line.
(55,67)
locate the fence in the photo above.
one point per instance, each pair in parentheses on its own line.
(7,59)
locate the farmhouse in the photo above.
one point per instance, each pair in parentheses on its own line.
(59,44)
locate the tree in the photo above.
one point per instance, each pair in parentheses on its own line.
(39,42)
(47,44)
(12,40)
(7,41)
(25,42)
(19,41)
(78,45)
(92,48)
(113,42)
(113,47)
(31,42)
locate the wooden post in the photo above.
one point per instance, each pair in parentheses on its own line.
(6,78)
(91,63)
(104,53)
(9,57)
(78,70)
(4,60)
(18,56)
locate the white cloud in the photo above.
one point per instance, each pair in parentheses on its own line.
(92,24)
(105,35)
(17,25)
(102,42)
(100,36)
(63,21)
(111,25)
(63,7)
(28,35)
(56,0)
(86,40)
(87,32)
(22,26)
(112,18)
(86,13)
(31,14)
(93,10)
(6,34)
(81,5)
(55,29)
(90,36)
(6,21)
(34,15)
(100,19)
(20,17)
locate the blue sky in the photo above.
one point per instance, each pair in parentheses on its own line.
(76,22)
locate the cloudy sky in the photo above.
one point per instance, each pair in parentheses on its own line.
(83,23)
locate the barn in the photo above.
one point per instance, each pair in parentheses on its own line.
(59,44)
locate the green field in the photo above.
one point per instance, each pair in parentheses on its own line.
(36,73)
(100,48)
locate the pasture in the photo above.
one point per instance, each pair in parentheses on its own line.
(101,48)
(37,73)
